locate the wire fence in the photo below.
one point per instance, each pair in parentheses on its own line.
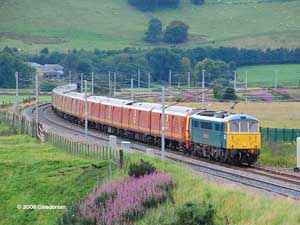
(94,151)
(19,123)
(23,125)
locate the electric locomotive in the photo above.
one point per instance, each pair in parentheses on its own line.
(225,137)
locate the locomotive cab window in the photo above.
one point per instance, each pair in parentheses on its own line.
(253,127)
(244,127)
(234,127)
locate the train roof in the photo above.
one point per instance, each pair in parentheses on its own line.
(176,110)
(76,95)
(222,117)
(116,102)
(64,89)
(208,118)
(240,117)
(97,99)
(145,106)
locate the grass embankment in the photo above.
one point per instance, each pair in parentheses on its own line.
(40,174)
(279,155)
(264,75)
(6,130)
(112,24)
(235,204)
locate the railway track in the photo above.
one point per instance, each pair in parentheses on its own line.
(285,177)
(284,184)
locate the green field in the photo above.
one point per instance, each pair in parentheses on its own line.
(265,75)
(22,91)
(12,98)
(113,24)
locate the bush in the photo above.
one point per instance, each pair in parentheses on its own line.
(121,202)
(104,198)
(229,94)
(141,169)
(177,98)
(192,213)
(69,218)
(218,87)
(48,85)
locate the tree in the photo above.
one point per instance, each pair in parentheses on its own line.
(150,5)
(9,65)
(168,3)
(144,5)
(84,65)
(197,2)
(70,62)
(124,63)
(161,60)
(9,50)
(176,32)
(186,65)
(44,51)
(154,31)
(213,70)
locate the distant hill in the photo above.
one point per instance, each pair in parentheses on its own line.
(113,24)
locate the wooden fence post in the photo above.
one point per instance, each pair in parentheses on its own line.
(102,152)
(121,158)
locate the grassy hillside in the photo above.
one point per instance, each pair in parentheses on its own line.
(113,24)
(40,174)
(264,75)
